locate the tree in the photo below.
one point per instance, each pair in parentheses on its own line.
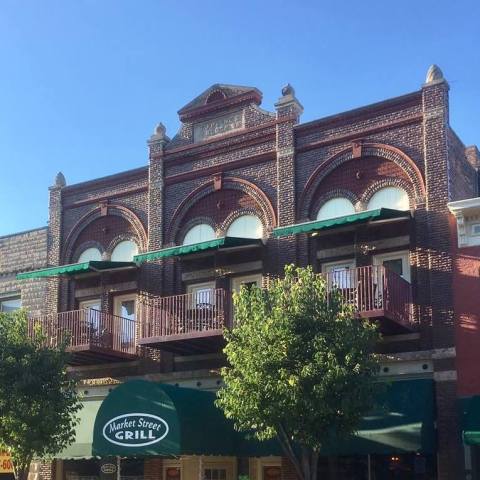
(38,401)
(300,366)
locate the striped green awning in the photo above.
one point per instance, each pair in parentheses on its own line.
(346,220)
(471,419)
(75,268)
(217,243)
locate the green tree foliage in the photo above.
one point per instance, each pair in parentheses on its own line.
(38,401)
(301,366)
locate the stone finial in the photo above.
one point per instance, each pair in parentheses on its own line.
(159,134)
(434,74)
(288,90)
(60,180)
(288,103)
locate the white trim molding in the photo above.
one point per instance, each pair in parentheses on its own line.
(467,214)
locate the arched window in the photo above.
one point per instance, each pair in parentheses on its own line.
(336,207)
(390,197)
(89,255)
(124,251)
(199,233)
(246,226)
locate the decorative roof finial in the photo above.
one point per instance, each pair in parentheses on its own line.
(159,134)
(434,74)
(60,180)
(288,90)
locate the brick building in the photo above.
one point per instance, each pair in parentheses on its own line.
(141,265)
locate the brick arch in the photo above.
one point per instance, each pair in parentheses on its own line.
(118,221)
(409,171)
(236,195)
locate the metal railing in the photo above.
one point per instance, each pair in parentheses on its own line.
(372,289)
(182,314)
(86,328)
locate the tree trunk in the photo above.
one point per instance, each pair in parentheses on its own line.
(21,469)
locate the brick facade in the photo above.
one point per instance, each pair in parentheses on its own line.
(230,158)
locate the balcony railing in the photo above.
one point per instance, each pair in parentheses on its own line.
(375,291)
(185,314)
(87,330)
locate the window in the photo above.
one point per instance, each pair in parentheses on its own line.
(398,262)
(94,304)
(124,309)
(476,229)
(246,280)
(89,255)
(199,233)
(246,226)
(215,474)
(10,304)
(124,251)
(390,197)
(92,316)
(336,207)
(340,274)
(202,294)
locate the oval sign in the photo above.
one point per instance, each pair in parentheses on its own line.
(135,430)
(108,468)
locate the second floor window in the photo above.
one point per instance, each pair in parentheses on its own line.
(9,304)
(390,197)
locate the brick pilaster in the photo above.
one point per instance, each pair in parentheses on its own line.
(288,110)
(440,264)
(54,241)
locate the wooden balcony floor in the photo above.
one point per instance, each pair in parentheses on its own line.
(192,343)
(91,354)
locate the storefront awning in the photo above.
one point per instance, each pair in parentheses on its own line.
(216,244)
(141,418)
(75,269)
(82,447)
(145,418)
(345,221)
(471,420)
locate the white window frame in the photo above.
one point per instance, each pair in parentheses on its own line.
(8,297)
(328,267)
(237,282)
(404,255)
(195,287)
(118,299)
(167,463)
(87,304)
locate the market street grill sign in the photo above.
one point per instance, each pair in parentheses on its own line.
(135,430)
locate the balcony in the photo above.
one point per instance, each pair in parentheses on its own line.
(184,324)
(92,336)
(377,293)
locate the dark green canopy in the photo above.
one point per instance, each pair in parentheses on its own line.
(470,411)
(345,221)
(215,244)
(142,418)
(75,268)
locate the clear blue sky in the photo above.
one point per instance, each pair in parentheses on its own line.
(83,82)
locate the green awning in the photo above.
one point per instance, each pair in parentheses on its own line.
(82,447)
(345,221)
(144,418)
(470,411)
(217,243)
(75,268)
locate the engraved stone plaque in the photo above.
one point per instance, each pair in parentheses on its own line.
(218,126)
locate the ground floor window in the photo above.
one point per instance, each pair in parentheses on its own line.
(379,467)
